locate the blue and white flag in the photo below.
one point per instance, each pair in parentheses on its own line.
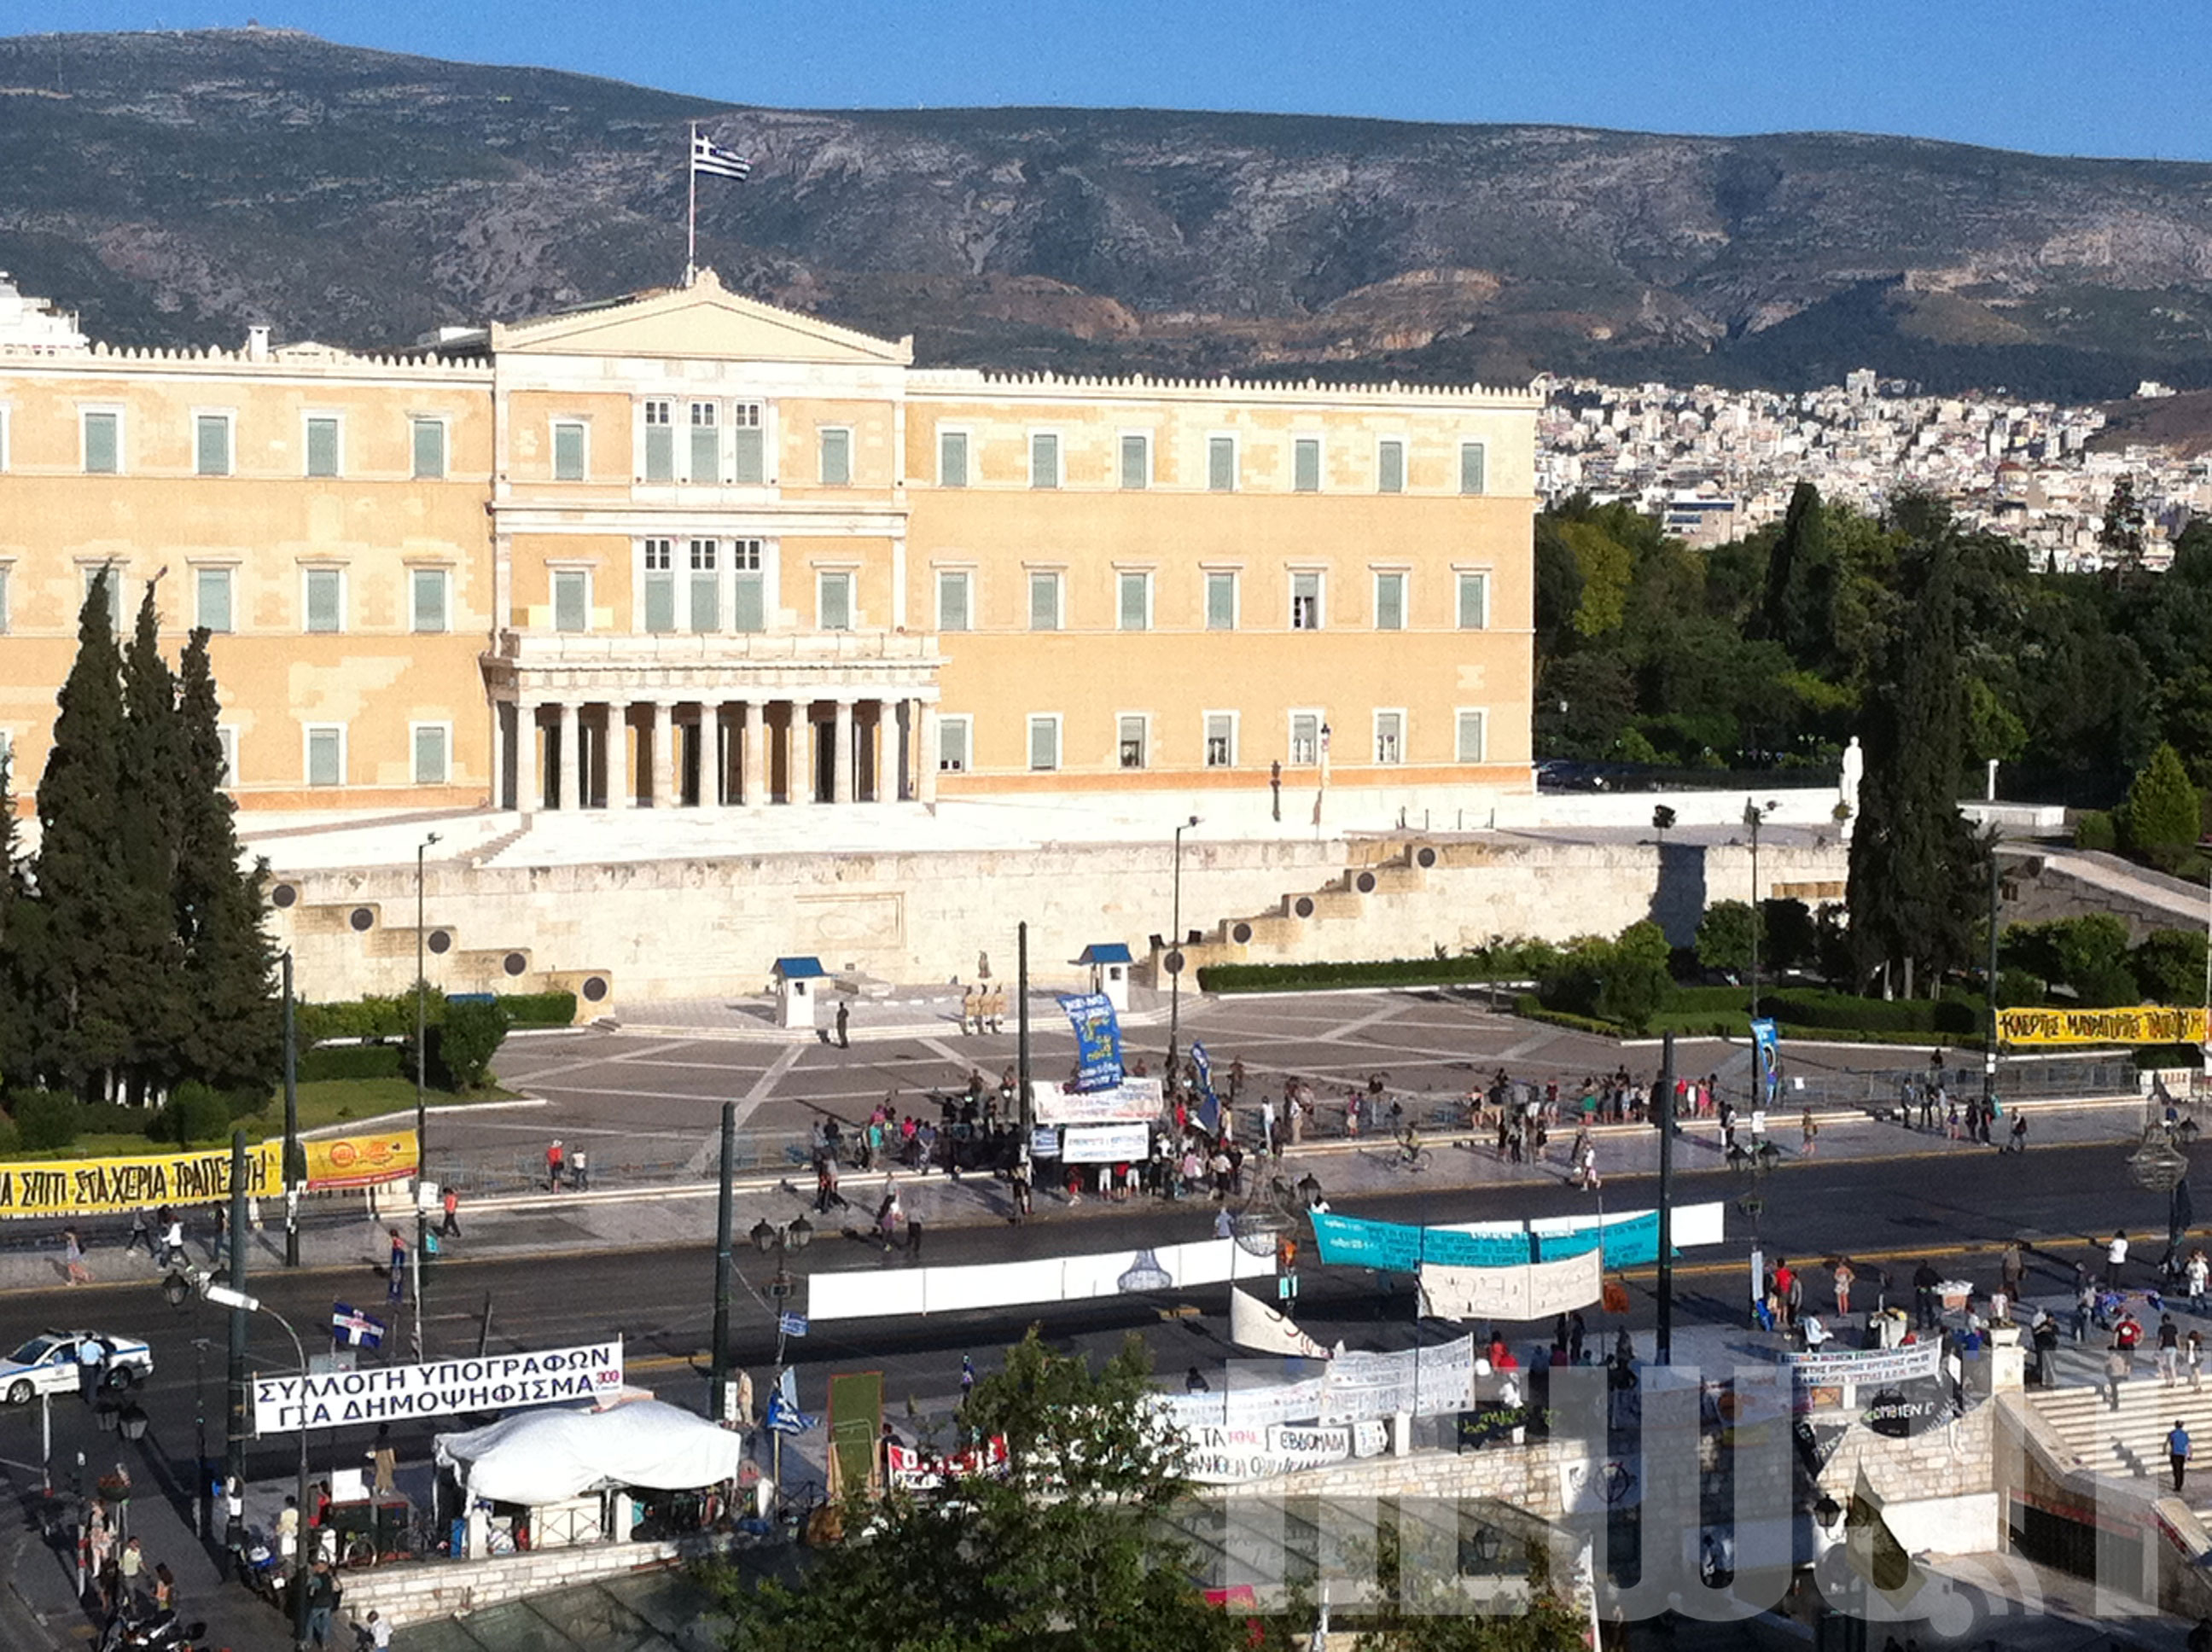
(1098,1040)
(355,1328)
(1209,1105)
(784,1418)
(1766,1037)
(712,160)
(791,1324)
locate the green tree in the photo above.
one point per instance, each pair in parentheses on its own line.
(1724,940)
(2163,813)
(1068,1550)
(235,1036)
(145,955)
(2169,966)
(1638,982)
(83,1006)
(2121,535)
(466,1040)
(17,926)
(1798,608)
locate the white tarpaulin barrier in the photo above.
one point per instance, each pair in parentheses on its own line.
(1538,1290)
(873,1294)
(1426,1381)
(547,1456)
(1134,1101)
(1253,1324)
(1255,1407)
(1221,1456)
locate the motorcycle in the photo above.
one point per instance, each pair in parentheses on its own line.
(256,1565)
(142,1629)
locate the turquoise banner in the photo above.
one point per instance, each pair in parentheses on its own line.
(1627,1244)
(1395,1248)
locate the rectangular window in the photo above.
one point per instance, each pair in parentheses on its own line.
(1389,602)
(1221,464)
(211,444)
(1390,467)
(326,600)
(1132,742)
(1305,602)
(1473,602)
(1044,459)
(706,444)
(952,745)
(659,586)
(429,448)
(836,459)
(1136,461)
(1305,737)
(834,601)
(660,442)
(1044,600)
(3,599)
(952,459)
(952,606)
(103,444)
(1136,605)
(322,446)
(568,460)
(1470,737)
(572,599)
(1473,460)
(1220,601)
(430,754)
(1305,464)
(211,598)
(706,586)
(748,445)
(748,601)
(1044,743)
(1389,737)
(326,754)
(1220,739)
(426,591)
(114,577)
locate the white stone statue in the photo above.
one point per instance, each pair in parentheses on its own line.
(1847,799)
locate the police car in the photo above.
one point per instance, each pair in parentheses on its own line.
(49,1363)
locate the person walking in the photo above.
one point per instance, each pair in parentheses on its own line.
(73,1265)
(555,1155)
(142,1232)
(844,1025)
(1845,1276)
(2116,1371)
(1924,1281)
(323,1594)
(383,1462)
(2012,1268)
(2169,1351)
(2192,1355)
(2019,1143)
(173,1239)
(395,1280)
(2176,1453)
(2116,1258)
(451,1227)
(1809,1128)
(2197,1272)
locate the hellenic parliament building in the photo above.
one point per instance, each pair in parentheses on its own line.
(684,549)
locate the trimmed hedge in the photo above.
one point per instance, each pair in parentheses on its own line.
(393,1018)
(1509,963)
(349,1061)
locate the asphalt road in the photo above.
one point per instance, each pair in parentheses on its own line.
(1883,1212)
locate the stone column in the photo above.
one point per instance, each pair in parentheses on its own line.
(618,789)
(502,765)
(801,759)
(926,757)
(842,764)
(886,751)
(755,755)
(529,797)
(564,751)
(664,755)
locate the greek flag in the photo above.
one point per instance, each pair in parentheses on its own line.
(355,1328)
(710,158)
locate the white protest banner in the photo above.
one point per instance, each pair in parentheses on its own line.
(1426,1381)
(1531,1291)
(1134,1101)
(1222,1456)
(1253,1324)
(1871,1365)
(1254,1407)
(1104,1143)
(384,1393)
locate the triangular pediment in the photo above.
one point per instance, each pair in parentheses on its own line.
(704,320)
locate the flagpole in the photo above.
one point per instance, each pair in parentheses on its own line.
(691,208)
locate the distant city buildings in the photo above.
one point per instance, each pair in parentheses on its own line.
(1715,464)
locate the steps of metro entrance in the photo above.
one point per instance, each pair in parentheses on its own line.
(2131,1440)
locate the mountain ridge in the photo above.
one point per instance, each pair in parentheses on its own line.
(175,187)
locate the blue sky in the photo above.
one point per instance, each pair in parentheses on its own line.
(2109,78)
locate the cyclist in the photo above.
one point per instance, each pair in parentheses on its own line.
(1409,1148)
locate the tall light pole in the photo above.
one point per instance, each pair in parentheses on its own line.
(1753,817)
(422,1109)
(1174,959)
(779,1242)
(241,1304)
(291,1124)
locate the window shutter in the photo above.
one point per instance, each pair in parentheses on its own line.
(1136,467)
(1305,466)
(215,598)
(1473,602)
(952,459)
(1044,460)
(1390,467)
(1133,603)
(100,444)
(1472,459)
(429,449)
(952,602)
(322,447)
(1221,464)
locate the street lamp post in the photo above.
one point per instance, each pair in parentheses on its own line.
(291,1124)
(223,1295)
(1174,959)
(422,1107)
(779,1242)
(1754,816)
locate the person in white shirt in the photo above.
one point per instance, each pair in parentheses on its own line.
(2116,1258)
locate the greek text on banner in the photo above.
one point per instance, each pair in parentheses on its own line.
(286,1404)
(2139,1023)
(102,1187)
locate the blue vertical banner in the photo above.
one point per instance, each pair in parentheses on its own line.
(1209,1105)
(1766,1038)
(1097,1039)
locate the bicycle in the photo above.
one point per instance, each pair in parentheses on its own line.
(1411,1157)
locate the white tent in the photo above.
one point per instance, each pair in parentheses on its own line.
(545,1456)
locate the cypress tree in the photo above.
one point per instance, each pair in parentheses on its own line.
(235,1029)
(17,928)
(146,953)
(80,998)
(1799,606)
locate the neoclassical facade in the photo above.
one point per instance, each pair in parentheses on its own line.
(686,550)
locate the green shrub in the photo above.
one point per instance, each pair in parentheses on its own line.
(10,1140)
(350,1061)
(2019,990)
(1509,961)
(387,1019)
(2163,810)
(45,1119)
(195,1115)
(466,1042)
(2094,829)
(539,1009)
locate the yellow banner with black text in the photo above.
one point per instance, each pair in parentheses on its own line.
(2139,1023)
(100,1187)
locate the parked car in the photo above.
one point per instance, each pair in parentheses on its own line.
(48,1364)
